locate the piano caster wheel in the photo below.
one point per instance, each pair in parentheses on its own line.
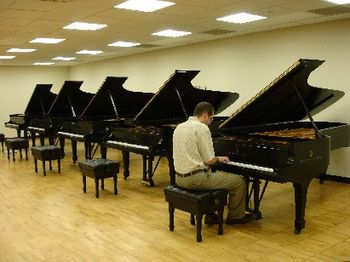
(148,183)
(257,215)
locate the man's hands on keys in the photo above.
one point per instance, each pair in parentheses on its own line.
(223,159)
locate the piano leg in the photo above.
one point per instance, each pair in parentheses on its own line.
(300,193)
(62,144)
(18,132)
(103,150)
(126,161)
(144,167)
(87,147)
(150,170)
(74,151)
(33,138)
(42,140)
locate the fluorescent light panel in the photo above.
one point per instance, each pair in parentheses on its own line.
(62,58)
(171,33)
(47,40)
(44,63)
(339,2)
(90,52)
(7,57)
(124,44)
(21,50)
(85,26)
(240,18)
(144,5)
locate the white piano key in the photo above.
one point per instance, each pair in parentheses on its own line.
(35,128)
(127,144)
(70,134)
(250,166)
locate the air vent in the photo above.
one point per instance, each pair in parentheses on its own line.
(147,46)
(334,10)
(217,32)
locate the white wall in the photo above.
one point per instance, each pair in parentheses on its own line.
(17,85)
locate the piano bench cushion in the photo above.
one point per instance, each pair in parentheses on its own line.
(197,203)
(99,168)
(48,152)
(16,143)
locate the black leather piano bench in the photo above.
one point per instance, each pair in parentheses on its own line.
(16,143)
(99,169)
(47,153)
(197,203)
(2,139)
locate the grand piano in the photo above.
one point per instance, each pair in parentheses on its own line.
(274,137)
(69,104)
(112,104)
(38,105)
(150,132)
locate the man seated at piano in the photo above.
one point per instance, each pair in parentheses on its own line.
(194,154)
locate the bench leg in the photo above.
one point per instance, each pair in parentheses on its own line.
(84,184)
(20,153)
(2,146)
(220,218)
(59,165)
(44,169)
(102,183)
(36,165)
(115,185)
(13,155)
(8,153)
(199,217)
(193,221)
(50,165)
(74,151)
(96,187)
(171,218)
(26,152)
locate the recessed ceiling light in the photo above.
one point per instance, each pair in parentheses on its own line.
(339,2)
(85,26)
(7,56)
(43,63)
(90,52)
(47,40)
(21,50)
(240,18)
(124,44)
(63,58)
(144,5)
(172,33)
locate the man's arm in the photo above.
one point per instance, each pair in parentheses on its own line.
(216,160)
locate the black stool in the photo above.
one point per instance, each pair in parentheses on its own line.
(99,169)
(16,143)
(197,203)
(2,139)
(47,153)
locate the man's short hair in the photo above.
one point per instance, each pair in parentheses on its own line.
(203,107)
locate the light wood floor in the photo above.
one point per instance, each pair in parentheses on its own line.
(51,219)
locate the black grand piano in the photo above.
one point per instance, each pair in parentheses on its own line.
(38,105)
(150,133)
(266,139)
(111,104)
(69,104)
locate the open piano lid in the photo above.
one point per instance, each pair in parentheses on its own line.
(176,99)
(280,102)
(112,100)
(41,100)
(70,101)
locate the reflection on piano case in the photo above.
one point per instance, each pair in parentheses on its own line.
(150,133)
(112,104)
(38,105)
(265,138)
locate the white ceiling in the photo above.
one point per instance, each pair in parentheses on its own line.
(24,20)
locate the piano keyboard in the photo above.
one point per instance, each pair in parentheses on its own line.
(36,128)
(11,125)
(249,166)
(127,144)
(70,134)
